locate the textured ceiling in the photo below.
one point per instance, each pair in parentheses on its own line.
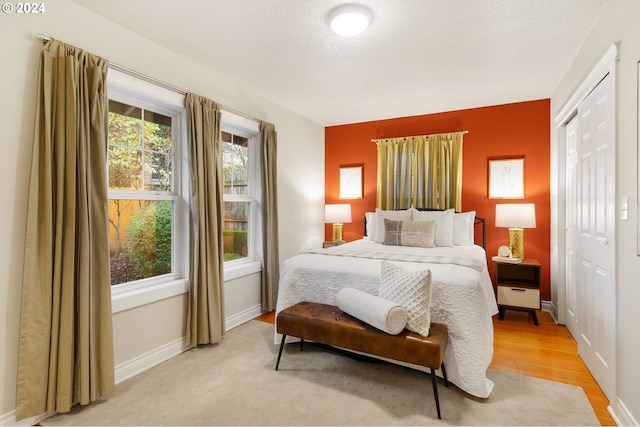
(416,57)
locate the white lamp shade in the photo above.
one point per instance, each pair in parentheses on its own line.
(340,213)
(350,19)
(516,215)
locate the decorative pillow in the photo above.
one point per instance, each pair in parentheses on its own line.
(380,313)
(404,215)
(463,227)
(444,224)
(409,233)
(411,289)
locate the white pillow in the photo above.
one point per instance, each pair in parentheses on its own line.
(444,224)
(380,313)
(463,228)
(404,215)
(411,289)
(370,223)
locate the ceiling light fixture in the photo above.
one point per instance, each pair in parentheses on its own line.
(349,19)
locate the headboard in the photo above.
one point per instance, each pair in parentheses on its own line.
(478,221)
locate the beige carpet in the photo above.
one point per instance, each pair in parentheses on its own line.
(235,383)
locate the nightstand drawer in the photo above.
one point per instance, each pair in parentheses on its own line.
(519,297)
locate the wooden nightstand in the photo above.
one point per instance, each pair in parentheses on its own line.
(518,287)
(327,245)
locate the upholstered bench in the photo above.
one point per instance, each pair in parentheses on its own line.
(327,324)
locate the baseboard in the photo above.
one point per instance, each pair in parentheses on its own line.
(9,419)
(148,360)
(549,308)
(621,414)
(242,317)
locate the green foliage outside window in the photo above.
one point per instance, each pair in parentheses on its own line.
(235,244)
(149,238)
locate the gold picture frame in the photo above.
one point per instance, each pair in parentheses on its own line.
(506,178)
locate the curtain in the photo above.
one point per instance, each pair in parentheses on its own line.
(205,315)
(445,171)
(271,264)
(66,339)
(420,171)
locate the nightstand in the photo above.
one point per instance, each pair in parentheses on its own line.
(327,245)
(518,287)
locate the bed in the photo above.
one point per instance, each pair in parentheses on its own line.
(462,293)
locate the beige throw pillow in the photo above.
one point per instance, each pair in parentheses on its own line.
(409,233)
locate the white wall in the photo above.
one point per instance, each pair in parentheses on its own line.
(144,329)
(619,23)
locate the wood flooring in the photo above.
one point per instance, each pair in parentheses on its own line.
(547,351)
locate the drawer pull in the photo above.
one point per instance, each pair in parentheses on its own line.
(518,289)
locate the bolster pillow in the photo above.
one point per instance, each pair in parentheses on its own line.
(380,313)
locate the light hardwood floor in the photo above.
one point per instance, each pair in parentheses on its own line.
(547,351)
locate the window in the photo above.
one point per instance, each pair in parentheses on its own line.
(241,195)
(238,196)
(147,201)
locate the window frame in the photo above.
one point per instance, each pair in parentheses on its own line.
(134,91)
(250,129)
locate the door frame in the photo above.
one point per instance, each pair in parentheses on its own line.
(606,66)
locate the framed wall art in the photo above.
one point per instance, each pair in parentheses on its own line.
(506,178)
(351,182)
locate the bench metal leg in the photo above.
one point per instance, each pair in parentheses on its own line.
(301,344)
(284,337)
(435,391)
(444,375)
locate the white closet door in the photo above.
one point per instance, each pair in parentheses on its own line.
(590,226)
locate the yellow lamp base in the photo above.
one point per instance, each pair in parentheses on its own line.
(337,233)
(516,242)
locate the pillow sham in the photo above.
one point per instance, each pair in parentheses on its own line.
(409,233)
(444,224)
(463,228)
(404,215)
(378,312)
(370,224)
(411,289)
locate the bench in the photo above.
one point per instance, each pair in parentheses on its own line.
(327,324)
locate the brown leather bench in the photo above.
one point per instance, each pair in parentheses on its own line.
(327,324)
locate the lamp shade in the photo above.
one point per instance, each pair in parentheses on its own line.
(340,213)
(516,215)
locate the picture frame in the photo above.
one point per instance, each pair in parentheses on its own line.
(351,181)
(506,178)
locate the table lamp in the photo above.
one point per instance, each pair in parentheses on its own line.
(337,214)
(516,217)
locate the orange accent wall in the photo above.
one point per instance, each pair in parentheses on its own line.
(502,131)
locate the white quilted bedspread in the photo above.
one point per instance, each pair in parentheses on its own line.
(462,295)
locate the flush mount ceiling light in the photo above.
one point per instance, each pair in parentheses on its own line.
(349,19)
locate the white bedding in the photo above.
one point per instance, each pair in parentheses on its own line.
(462,295)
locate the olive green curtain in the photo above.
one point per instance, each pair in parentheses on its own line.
(66,337)
(271,263)
(444,177)
(205,315)
(420,171)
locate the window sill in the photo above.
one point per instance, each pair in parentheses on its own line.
(127,297)
(242,269)
(133,296)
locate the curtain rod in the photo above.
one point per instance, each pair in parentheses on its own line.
(156,82)
(464,132)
